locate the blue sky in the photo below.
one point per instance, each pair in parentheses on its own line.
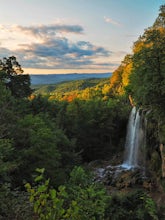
(64,36)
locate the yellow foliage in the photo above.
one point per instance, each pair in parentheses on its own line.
(106,89)
(120,77)
(126,73)
(138,46)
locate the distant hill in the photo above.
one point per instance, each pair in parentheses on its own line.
(69,86)
(69,90)
(43,79)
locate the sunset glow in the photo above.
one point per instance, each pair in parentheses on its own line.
(77,36)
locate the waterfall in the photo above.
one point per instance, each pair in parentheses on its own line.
(133,157)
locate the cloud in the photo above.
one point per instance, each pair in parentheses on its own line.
(44,47)
(60,53)
(4,52)
(105,64)
(111,21)
(50,30)
(62,46)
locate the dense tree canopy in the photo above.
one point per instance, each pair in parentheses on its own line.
(148,74)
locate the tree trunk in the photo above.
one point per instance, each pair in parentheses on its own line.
(162,151)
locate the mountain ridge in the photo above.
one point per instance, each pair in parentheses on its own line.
(37,79)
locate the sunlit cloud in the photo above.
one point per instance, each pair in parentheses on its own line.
(111,21)
(42,47)
(60,53)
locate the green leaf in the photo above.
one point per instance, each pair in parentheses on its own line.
(38,178)
(40,170)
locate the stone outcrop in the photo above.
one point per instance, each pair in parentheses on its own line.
(119,178)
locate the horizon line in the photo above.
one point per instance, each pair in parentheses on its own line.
(67,73)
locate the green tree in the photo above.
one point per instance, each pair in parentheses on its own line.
(7,121)
(35,146)
(80,199)
(160,20)
(135,205)
(94,124)
(11,74)
(7,116)
(6,163)
(89,196)
(39,142)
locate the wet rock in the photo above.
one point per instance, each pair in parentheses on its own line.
(119,177)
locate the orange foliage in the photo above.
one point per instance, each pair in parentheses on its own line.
(31,97)
(70,97)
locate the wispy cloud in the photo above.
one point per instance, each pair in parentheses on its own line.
(111,21)
(48,30)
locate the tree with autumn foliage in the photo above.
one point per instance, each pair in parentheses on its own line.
(148,73)
(120,77)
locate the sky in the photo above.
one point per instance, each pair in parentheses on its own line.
(72,36)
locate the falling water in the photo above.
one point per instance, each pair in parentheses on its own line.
(134,156)
(134,141)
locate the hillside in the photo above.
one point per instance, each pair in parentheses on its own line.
(73,89)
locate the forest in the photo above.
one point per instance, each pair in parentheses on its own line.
(53,136)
